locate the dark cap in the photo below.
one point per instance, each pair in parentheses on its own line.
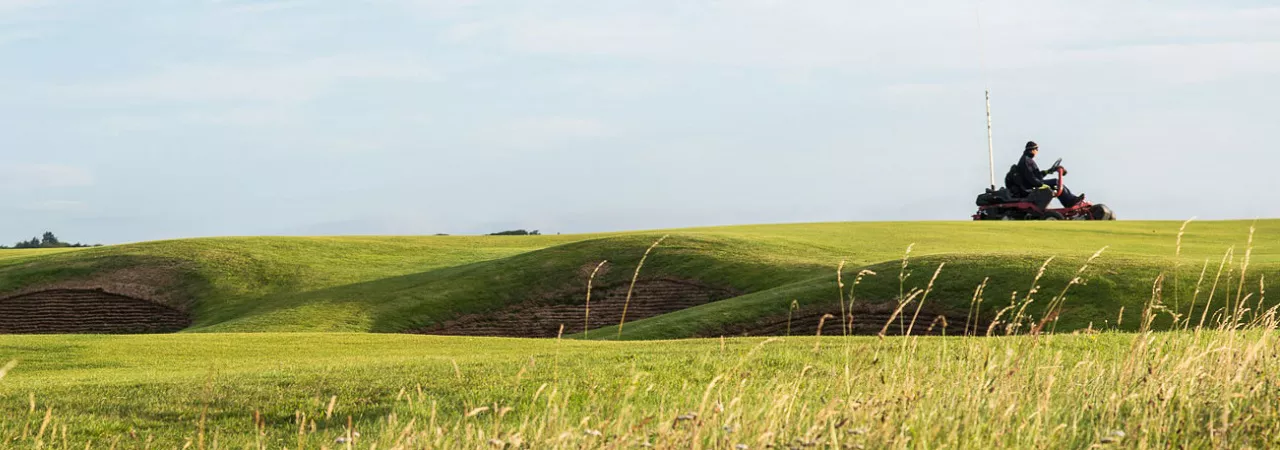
(1031,145)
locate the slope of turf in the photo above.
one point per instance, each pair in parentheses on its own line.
(392,284)
(16,253)
(1007,256)
(219,279)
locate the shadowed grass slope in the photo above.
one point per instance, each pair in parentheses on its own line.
(1007,256)
(392,284)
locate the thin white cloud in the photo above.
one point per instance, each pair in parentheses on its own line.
(440,8)
(545,132)
(790,35)
(915,91)
(236,117)
(1180,63)
(558,127)
(20,20)
(57,206)
(259,6)
(284,82)
(17,36)
(25,177)
(892,39)
(15,6)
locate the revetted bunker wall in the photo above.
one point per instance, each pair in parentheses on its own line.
(86,311)
(543,318)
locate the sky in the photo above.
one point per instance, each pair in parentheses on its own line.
(132,120)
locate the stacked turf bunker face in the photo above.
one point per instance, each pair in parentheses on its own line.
(60,311)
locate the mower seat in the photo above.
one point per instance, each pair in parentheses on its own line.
(995,196)
(1040,197)
(1014,185)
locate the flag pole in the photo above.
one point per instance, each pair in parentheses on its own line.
(991,152)
(982,58)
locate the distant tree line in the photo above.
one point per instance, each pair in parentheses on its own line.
(48,241)
(516,233)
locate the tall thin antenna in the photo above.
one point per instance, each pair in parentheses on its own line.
(991,152)
(982,57)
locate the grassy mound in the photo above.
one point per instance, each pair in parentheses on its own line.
(394,284)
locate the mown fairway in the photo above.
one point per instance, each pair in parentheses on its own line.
(278,355)
(15,253)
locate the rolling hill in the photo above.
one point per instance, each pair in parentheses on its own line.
(697,282)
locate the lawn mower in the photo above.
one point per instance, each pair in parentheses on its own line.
(1011,203)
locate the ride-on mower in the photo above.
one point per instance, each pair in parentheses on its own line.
(1006,204)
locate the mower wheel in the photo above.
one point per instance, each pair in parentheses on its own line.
(1101,212)
(1052,215)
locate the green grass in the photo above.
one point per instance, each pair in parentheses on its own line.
(1215,389)
(16,253)
(1128,386)
(392,284)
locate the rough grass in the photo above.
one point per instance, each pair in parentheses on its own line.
(267,390)
(391,284)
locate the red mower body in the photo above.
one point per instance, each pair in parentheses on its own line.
(1001,204)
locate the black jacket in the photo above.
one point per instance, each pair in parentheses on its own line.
(1029,173)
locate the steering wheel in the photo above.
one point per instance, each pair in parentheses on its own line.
(1062,174)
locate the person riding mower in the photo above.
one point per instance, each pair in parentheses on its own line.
(1027,194)
(1026,175)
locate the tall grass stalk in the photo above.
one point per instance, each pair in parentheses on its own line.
(975,304)
(844,326)
(1054,309)
(632,287)
(1016,320)
(1177,262)
(924,297)
(852,296)
(1212,290)
(1013,303)
(7,367)
(818,336)
(795,304)
(897,311)
(903,274)
(1228,310)
(555,371)
(1244,270)
(586,313)
(1196,296)
(1262,293)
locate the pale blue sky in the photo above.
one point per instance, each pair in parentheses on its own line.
(135,120)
